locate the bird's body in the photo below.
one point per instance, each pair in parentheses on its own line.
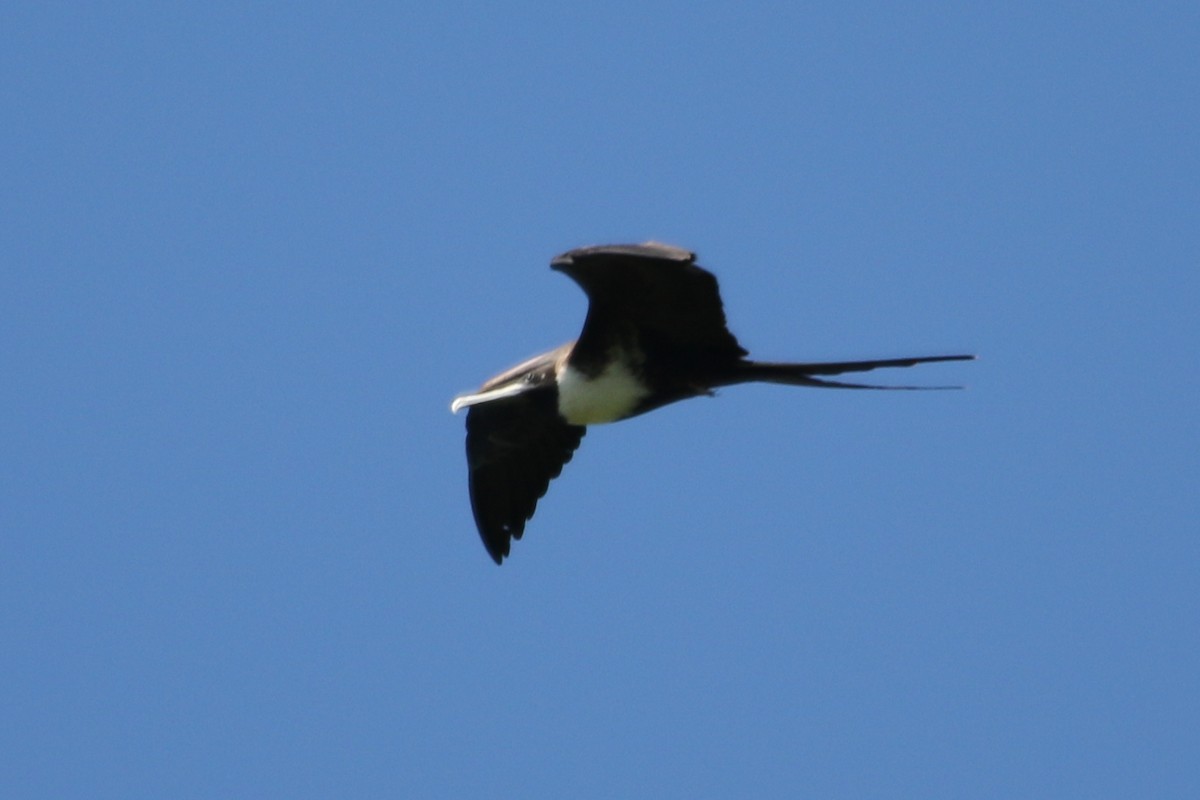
(655,334)
(613,394)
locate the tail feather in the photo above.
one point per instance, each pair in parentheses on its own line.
(803,374)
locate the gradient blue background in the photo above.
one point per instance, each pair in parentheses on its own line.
(251,251)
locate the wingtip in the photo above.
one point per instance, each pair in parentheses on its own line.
(650,249)
(497,549)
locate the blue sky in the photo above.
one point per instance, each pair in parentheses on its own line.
(250,252)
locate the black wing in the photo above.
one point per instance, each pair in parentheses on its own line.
(515,447)
(659,290)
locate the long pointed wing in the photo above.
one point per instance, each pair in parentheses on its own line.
(657,290)
(515,447)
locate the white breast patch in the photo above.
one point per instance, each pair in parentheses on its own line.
(607,397)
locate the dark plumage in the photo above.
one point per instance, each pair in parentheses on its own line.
(655,333)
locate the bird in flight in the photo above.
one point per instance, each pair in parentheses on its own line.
(655,333)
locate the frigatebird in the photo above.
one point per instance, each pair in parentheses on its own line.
(655,333)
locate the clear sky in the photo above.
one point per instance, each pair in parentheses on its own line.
(249,253)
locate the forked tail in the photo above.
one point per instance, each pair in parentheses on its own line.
(803,374)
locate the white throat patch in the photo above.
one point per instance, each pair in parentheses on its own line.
(607,397)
